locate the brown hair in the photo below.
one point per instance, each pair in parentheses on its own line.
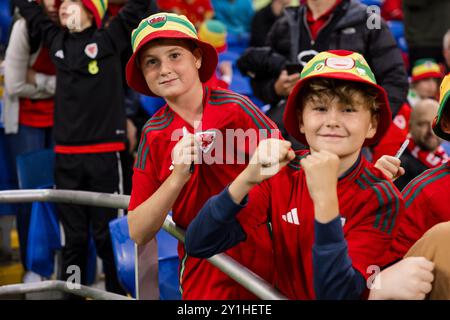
(347,92)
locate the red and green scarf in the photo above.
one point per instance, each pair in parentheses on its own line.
(428,158)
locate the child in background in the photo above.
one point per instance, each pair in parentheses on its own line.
(425,79)
(214,32)
(89,127)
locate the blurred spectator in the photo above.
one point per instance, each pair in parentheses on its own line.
(28,105)
(264,19)
(446,51)
(214,32)
(196,11)
(235,14)
(425,79)
(425,25)
(90,123)
(317,26)
(424,150)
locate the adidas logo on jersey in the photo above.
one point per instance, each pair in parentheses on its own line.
(291,217)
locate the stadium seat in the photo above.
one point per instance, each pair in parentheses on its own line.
(168,266)
(151,104)
(124,255)
(372,2)
(5,21)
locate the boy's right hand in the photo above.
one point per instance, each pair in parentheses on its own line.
(269,158)
(408,279)
(185,152)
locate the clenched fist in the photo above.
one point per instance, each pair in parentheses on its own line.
(321,171)
(270,156)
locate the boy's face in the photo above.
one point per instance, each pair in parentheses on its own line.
(169,67)
(335,127)
(74,15)
(427,88)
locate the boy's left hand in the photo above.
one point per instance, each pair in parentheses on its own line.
(321,171)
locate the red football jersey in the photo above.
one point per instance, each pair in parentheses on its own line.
(426,204)
(369,207)
(223,111)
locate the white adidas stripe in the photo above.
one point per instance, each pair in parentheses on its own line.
(291,217)
(295,216)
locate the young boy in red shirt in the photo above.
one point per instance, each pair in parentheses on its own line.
(171,62)
(333,214)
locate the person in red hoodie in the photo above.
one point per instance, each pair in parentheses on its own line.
(28,112)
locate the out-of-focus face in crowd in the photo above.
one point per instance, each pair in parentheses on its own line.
(74,15)
(51,8)
(427,88)
(420,123)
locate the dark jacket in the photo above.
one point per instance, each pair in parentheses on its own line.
(89,100)
(413,167)
(262,21)
(346,29)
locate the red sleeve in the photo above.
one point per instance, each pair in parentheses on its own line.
(413,224)
(255,214)
(370,232)
(145,178)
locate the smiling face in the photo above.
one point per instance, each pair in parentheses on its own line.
(170,66)
(337,120)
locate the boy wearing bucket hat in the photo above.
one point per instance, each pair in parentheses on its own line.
(170,61)
(333,214)
(89,123)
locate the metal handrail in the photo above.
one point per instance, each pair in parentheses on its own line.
(225,263)
(58,285)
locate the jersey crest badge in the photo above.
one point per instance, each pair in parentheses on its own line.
(91,50)
(206,139)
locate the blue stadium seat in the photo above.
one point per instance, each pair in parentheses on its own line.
(5,21)
(397,28)
(151,104)
(372,2)
(398,31)
(124,256)
(238,42)
(168,266)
